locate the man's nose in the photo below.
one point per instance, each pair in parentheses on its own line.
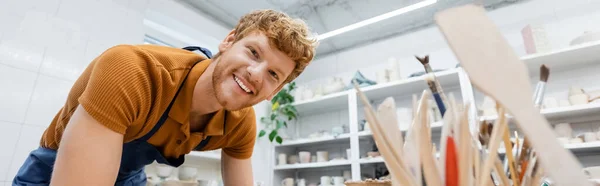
(257,71)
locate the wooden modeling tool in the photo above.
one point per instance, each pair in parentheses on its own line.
(386,113)
(495,69)
(389,151)
(509,155)
(495,139)
(411,146)
(414,105)
(465,145)
(500,172)
(430,169)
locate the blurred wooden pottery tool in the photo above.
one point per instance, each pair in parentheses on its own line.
(495,69)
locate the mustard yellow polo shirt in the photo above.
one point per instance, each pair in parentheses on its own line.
(127,88)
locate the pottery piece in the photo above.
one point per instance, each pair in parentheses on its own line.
(333,85)
(287,182)
(563,130)
(163,171)
(322,156)
(535,39)
(299,93)
(186,173)
(579,99)
(590,137)
(382,76)
(574,90)
(325,180)
(373,154)
(301,182)
(282,159)
(394,69)
(338,180)
(307,94)
(587,36)
(361,80)
(337,131)
(313,158)
(293,159)
(319,91)
(304,156)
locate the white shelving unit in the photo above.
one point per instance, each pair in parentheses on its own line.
(455,80)
(561,112)
(313,165)
(204,155)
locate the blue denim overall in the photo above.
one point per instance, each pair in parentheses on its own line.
(37,169)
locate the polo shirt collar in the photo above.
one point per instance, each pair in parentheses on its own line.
(181,108)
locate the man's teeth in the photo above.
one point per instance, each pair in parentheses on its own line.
(242,84)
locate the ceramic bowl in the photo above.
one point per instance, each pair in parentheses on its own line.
(187,173)
(163,171)
(373,154)
(587,36)
(579,99)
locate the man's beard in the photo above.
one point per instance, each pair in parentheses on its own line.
(218,77)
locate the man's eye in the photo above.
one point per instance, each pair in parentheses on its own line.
(254,53)
(274,74)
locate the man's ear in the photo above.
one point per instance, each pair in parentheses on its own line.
(274,93)
(227,42)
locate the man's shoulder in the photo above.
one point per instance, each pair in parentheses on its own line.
(170,57)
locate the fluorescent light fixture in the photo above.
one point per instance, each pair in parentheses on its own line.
(376,19)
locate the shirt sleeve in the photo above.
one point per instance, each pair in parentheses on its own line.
(119,88)
(244,140)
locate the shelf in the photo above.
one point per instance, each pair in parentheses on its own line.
(588,147)
(409,86)
(371,160)
(573,57)
(330,101)
(561,112)
(204,155)
(314,140)
(434,127)
(313,165)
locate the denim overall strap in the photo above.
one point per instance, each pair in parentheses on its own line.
(205,51)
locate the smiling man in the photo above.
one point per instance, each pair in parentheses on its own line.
(137,104)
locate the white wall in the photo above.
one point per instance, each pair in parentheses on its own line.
(563,21)
(45,45)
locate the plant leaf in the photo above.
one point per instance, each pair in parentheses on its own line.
(285,124)
(272,135)
(264,120)
(275,106)
(273,116)
(279,125)
(262,133)
(278,139)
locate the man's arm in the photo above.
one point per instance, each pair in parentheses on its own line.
(236,171)
(89,153)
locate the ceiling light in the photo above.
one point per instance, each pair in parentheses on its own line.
(376,19)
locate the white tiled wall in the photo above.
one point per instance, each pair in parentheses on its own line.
(46,44)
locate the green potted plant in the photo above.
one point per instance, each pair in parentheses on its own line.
(282,111)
